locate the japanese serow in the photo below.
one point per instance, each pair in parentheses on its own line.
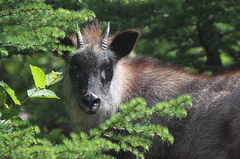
(101,76)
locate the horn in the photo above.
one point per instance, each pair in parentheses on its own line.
(105,39)
(79,38)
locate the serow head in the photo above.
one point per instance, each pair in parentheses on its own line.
(92,69)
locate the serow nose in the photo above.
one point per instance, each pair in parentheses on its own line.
(91,103)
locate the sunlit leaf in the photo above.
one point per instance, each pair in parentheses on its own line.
(38,76)
(10,92)
(53,77)
(41,93)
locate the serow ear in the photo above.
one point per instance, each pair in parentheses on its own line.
(124,42)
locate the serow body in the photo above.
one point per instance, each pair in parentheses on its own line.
(101,76)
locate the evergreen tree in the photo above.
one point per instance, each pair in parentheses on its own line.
(30,26)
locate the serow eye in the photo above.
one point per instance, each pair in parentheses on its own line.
(108,68)
(73,67)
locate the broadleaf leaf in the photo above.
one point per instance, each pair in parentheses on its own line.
(38,76)
(41,93)
(53,78)
(10,92)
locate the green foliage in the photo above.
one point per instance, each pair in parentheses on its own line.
(28,26)
(39,91)
(22,140)
(42,81)
(18,140)
(10,92)
(38,76)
